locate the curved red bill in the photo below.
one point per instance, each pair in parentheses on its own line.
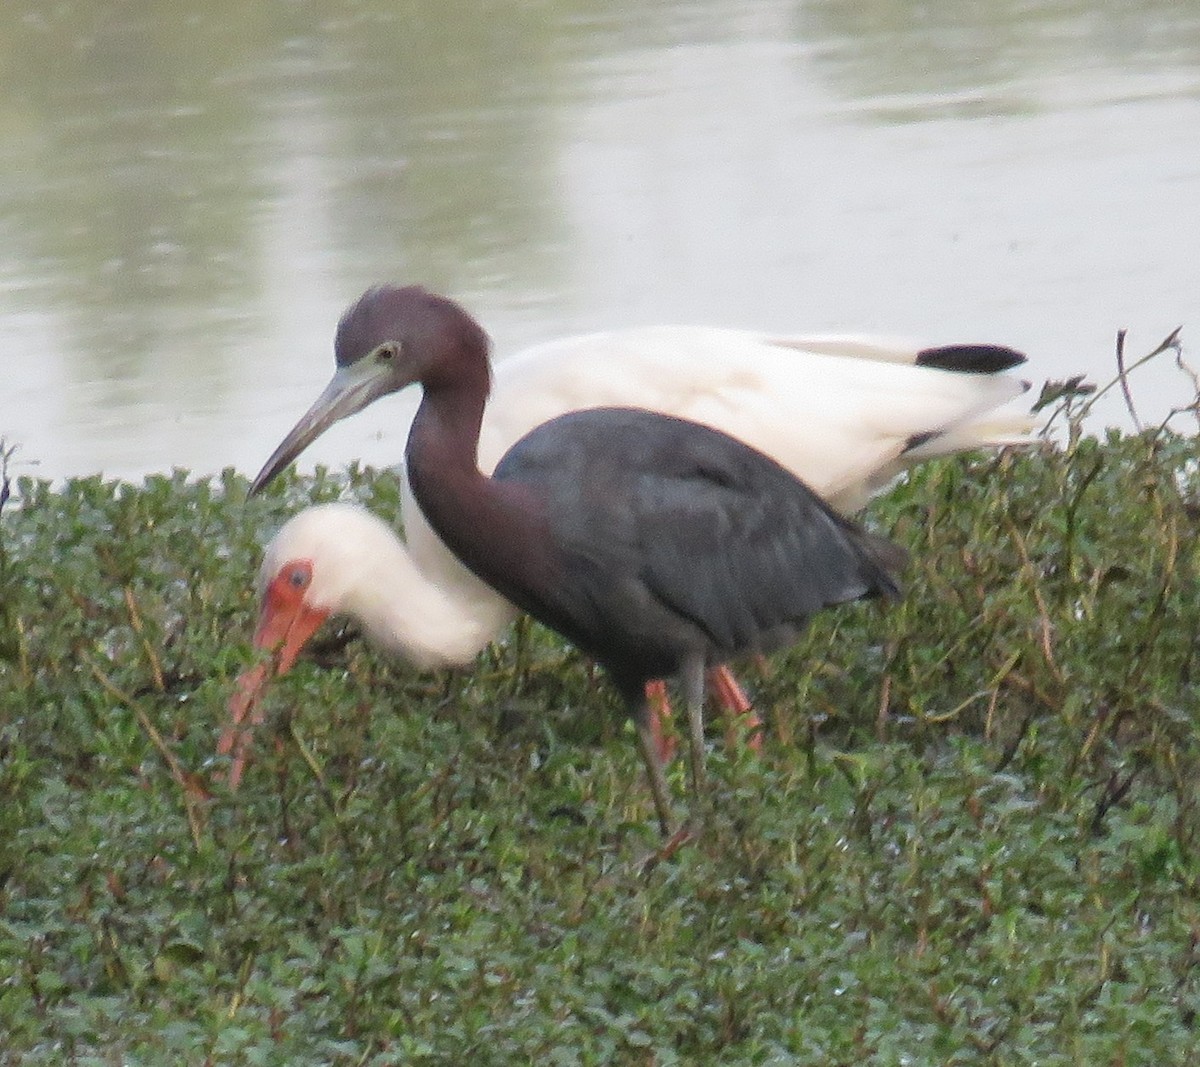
(285,624)
(245,712)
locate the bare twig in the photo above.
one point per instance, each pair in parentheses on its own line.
(885,698)
(1114,792)
(1045,625)
(135,620)
(1123,378)
(1169,343)
(185,781)
(6,452)
(1010,750)
(1186,368)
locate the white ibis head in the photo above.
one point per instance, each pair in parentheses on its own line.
(319,564)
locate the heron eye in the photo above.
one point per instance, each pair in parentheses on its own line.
(388,351)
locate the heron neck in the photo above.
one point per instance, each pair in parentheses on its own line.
(488,525)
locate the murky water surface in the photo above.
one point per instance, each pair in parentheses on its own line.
(188,201)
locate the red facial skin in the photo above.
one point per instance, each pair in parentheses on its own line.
(285,624)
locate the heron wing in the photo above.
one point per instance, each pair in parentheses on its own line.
(659,522)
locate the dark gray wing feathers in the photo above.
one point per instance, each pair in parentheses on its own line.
(748,555)
(653,511)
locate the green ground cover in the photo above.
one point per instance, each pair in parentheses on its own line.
(972,836)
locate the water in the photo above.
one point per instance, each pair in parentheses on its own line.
(191,198)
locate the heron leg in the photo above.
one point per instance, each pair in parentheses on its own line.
(692,678)
(654,766)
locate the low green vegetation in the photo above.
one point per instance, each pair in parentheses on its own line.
(972,835)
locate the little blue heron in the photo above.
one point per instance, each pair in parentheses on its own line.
(655,544)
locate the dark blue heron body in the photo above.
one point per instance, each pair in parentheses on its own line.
(649,541)
(655,544)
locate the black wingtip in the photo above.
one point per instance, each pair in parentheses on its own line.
(971,359)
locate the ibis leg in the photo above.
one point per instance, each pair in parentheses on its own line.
(660,720)
(740,716)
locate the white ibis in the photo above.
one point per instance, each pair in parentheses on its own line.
(390,332)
